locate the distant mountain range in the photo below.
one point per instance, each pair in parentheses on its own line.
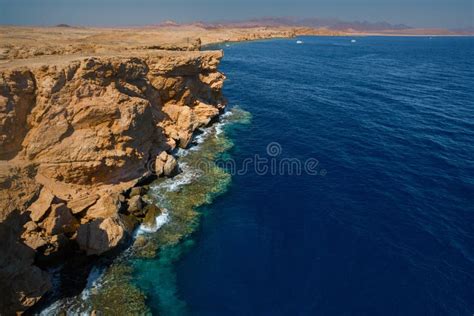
(331,24)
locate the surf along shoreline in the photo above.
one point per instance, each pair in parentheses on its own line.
(142,274)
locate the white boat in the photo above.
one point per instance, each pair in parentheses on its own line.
(299,42)
(353,41)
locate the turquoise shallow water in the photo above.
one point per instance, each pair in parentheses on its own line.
(389,229)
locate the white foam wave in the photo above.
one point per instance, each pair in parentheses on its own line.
(93,281)
(205,132)
(160,220)
(226,114)
(181,152)
(199,139)
(187,176)
(51,309)
(219,129)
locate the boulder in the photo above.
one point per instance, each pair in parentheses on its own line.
(160,163)
(100,235)
(39,208)
(106,206)
(170,166)
(82,202)
(163,156)
(151,212)
(165,164)
(34,240)
(33,237)
(30,226)
(135,204)
(137,191)
(122,198)
(60,220)
(129,222)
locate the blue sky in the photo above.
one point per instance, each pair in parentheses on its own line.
(418,13)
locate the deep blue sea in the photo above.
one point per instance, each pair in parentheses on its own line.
(386,227)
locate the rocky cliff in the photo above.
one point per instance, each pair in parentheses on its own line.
(76,134)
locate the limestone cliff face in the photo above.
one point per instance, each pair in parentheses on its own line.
(97,119)
(76,133)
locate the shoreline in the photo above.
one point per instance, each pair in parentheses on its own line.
(148,245)
(47,77)
(98,223)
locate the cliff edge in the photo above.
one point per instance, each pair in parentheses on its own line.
(76,134)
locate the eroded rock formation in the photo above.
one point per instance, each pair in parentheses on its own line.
(74,135)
